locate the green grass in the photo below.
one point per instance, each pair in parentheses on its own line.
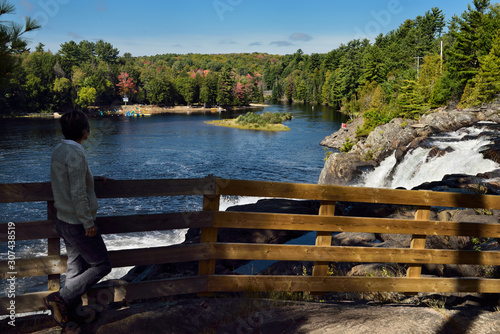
(250,121)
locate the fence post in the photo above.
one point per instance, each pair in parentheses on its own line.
(209,234)
(327,208)
(54,248)
(418,242)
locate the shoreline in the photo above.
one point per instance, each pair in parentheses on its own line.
(145,110)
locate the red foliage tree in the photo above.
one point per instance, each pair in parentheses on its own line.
(125,84)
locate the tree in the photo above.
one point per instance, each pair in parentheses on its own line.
(86,96)
(70,56)
(225,87)
(469,42)
(126,84)
(374,65)
(11,38)
(489,74)
(104,51)
(62,93)
(160,90)
(208,90)
(411,101)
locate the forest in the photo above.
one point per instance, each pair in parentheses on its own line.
(427,62)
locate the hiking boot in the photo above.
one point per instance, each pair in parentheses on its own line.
(57,307)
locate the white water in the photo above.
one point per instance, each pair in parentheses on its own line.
(416,168)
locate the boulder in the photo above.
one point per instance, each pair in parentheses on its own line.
(385,139)
(447,121)
(344,168)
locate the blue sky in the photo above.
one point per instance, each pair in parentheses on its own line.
(151,27)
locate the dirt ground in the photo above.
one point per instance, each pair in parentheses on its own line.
(252,315)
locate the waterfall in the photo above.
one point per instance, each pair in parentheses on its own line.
(459,152)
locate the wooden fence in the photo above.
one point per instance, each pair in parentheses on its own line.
(210,219)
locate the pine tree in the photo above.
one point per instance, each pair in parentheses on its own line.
(411,101)
(469,42)
(489,75)
(225,87)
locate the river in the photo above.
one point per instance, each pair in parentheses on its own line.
(169,146)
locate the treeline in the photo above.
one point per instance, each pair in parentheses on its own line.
(403,73)
(87,74)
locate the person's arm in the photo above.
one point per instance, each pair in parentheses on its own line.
(77,169)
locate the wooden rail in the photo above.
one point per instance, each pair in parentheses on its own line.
(210,220)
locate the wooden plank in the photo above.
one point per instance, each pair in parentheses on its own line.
(233,251)
(209,234)
(46,265)
(355,194)
(56,264)
(237,283)
(116,224)
(154,187)
(323,238)
(154,222)
(45,229)
(250,220)
(119,291)
(39,266)
(42,229)
(159,255)
(25,192)
(240,283)
(29,192)
(54,248)
(418,241)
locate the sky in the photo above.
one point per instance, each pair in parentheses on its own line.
(150,27)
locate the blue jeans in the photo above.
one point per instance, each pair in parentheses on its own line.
(88,261)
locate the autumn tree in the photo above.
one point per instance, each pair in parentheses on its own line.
(126,84)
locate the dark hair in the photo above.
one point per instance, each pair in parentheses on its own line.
(73,125)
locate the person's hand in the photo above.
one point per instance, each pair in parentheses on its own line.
(103,179)
(91,231)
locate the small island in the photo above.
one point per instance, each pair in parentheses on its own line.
(268,121)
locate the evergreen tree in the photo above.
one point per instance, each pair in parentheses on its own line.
(411,101)
(468,43)
(225,87)
(11,39)
(489,75)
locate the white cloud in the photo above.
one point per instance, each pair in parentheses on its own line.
(299,36)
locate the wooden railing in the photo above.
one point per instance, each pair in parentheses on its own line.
(210,219)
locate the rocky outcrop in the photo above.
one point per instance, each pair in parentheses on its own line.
(395,136)
(343,168)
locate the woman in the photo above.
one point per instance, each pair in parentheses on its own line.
(76,205)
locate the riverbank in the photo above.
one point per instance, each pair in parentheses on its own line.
(143,109)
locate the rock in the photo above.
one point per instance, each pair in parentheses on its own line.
(399,135)
(447,121)
(354,239)
(437,152)
(343,168)
(376,269)
(466,184)
(337,139)
(492,151)
(385,139)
